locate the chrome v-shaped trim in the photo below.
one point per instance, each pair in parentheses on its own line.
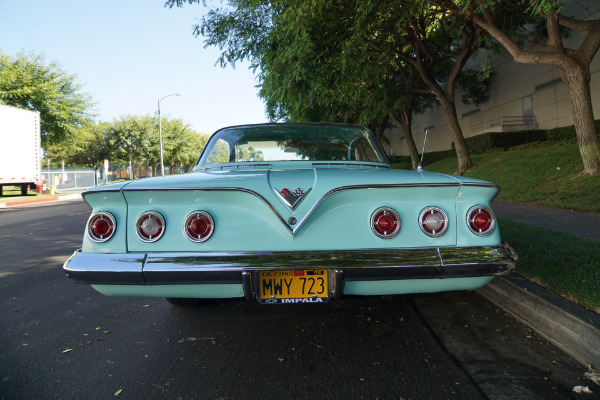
(314,206)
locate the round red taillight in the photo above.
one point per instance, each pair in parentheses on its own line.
(101,226)
(150,226)
(481,221)
(385,223)
(199,226)
(433,221)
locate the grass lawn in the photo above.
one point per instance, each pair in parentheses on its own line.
(545,175)
(11,193)
(560,262)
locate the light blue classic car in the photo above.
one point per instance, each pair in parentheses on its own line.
(289,213)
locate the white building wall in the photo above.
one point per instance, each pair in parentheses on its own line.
(513,86)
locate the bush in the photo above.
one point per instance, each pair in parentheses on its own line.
(566,134)
(494,141)
(430,157)
(563,134)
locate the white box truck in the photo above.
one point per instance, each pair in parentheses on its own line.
(20,152)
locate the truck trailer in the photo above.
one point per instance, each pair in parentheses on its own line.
(20,152)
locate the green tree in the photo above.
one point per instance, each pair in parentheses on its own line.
(26,81)
(181,144)
(350,61)
(89,148)
(135,139)
(511,22)
(131,138)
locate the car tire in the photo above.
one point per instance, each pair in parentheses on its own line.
(185,302)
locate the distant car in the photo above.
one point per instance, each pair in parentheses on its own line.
(290,213)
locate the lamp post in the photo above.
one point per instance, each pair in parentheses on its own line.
(162,166)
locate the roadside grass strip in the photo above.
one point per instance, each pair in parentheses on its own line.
(9,197)
(560,262)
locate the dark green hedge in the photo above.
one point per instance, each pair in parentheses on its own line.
(494,141)
(430,157)
(566,134)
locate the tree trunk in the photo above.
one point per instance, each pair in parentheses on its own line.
(133,168)
(405,124)
(378,133)
(577,80)
(460,145)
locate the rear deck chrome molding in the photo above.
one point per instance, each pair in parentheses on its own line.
(239,268)
(301,221)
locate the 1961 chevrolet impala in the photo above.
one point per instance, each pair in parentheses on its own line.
(288,213)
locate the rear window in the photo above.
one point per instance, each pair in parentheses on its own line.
(292,142)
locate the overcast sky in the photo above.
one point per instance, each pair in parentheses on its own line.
(130,53)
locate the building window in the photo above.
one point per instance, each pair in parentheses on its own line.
(548,84)
(475,111)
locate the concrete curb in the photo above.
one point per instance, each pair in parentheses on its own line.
(570,327)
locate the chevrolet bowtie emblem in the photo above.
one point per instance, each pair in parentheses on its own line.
(291,198)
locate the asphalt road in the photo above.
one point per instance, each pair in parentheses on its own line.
(62,340)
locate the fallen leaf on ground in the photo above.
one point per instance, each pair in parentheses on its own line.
(582,390)
(594,377)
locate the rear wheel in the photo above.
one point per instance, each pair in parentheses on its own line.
(185,302)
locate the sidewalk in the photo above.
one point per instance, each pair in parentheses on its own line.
(585,225)
(570,327)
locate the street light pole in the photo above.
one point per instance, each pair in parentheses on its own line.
(162,165)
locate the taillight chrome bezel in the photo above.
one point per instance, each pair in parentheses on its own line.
(101,216)
(150,216)
(429,211)
(382,212)
(472,214)
(199,215)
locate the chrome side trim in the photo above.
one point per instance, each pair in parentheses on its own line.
(222,189)
(381,186)
(343,164)
(481,184)
(314,206)
(240,268)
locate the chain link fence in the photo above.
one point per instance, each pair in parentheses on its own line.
(67,179)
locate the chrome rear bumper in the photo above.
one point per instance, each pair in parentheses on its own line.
(237,268)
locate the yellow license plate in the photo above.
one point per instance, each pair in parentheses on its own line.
(298,286)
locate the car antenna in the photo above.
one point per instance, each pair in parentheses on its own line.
(420,166)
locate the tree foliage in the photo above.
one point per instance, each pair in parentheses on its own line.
(28,82)
(513,24)
(363,62)
(89,148)
(132,139)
